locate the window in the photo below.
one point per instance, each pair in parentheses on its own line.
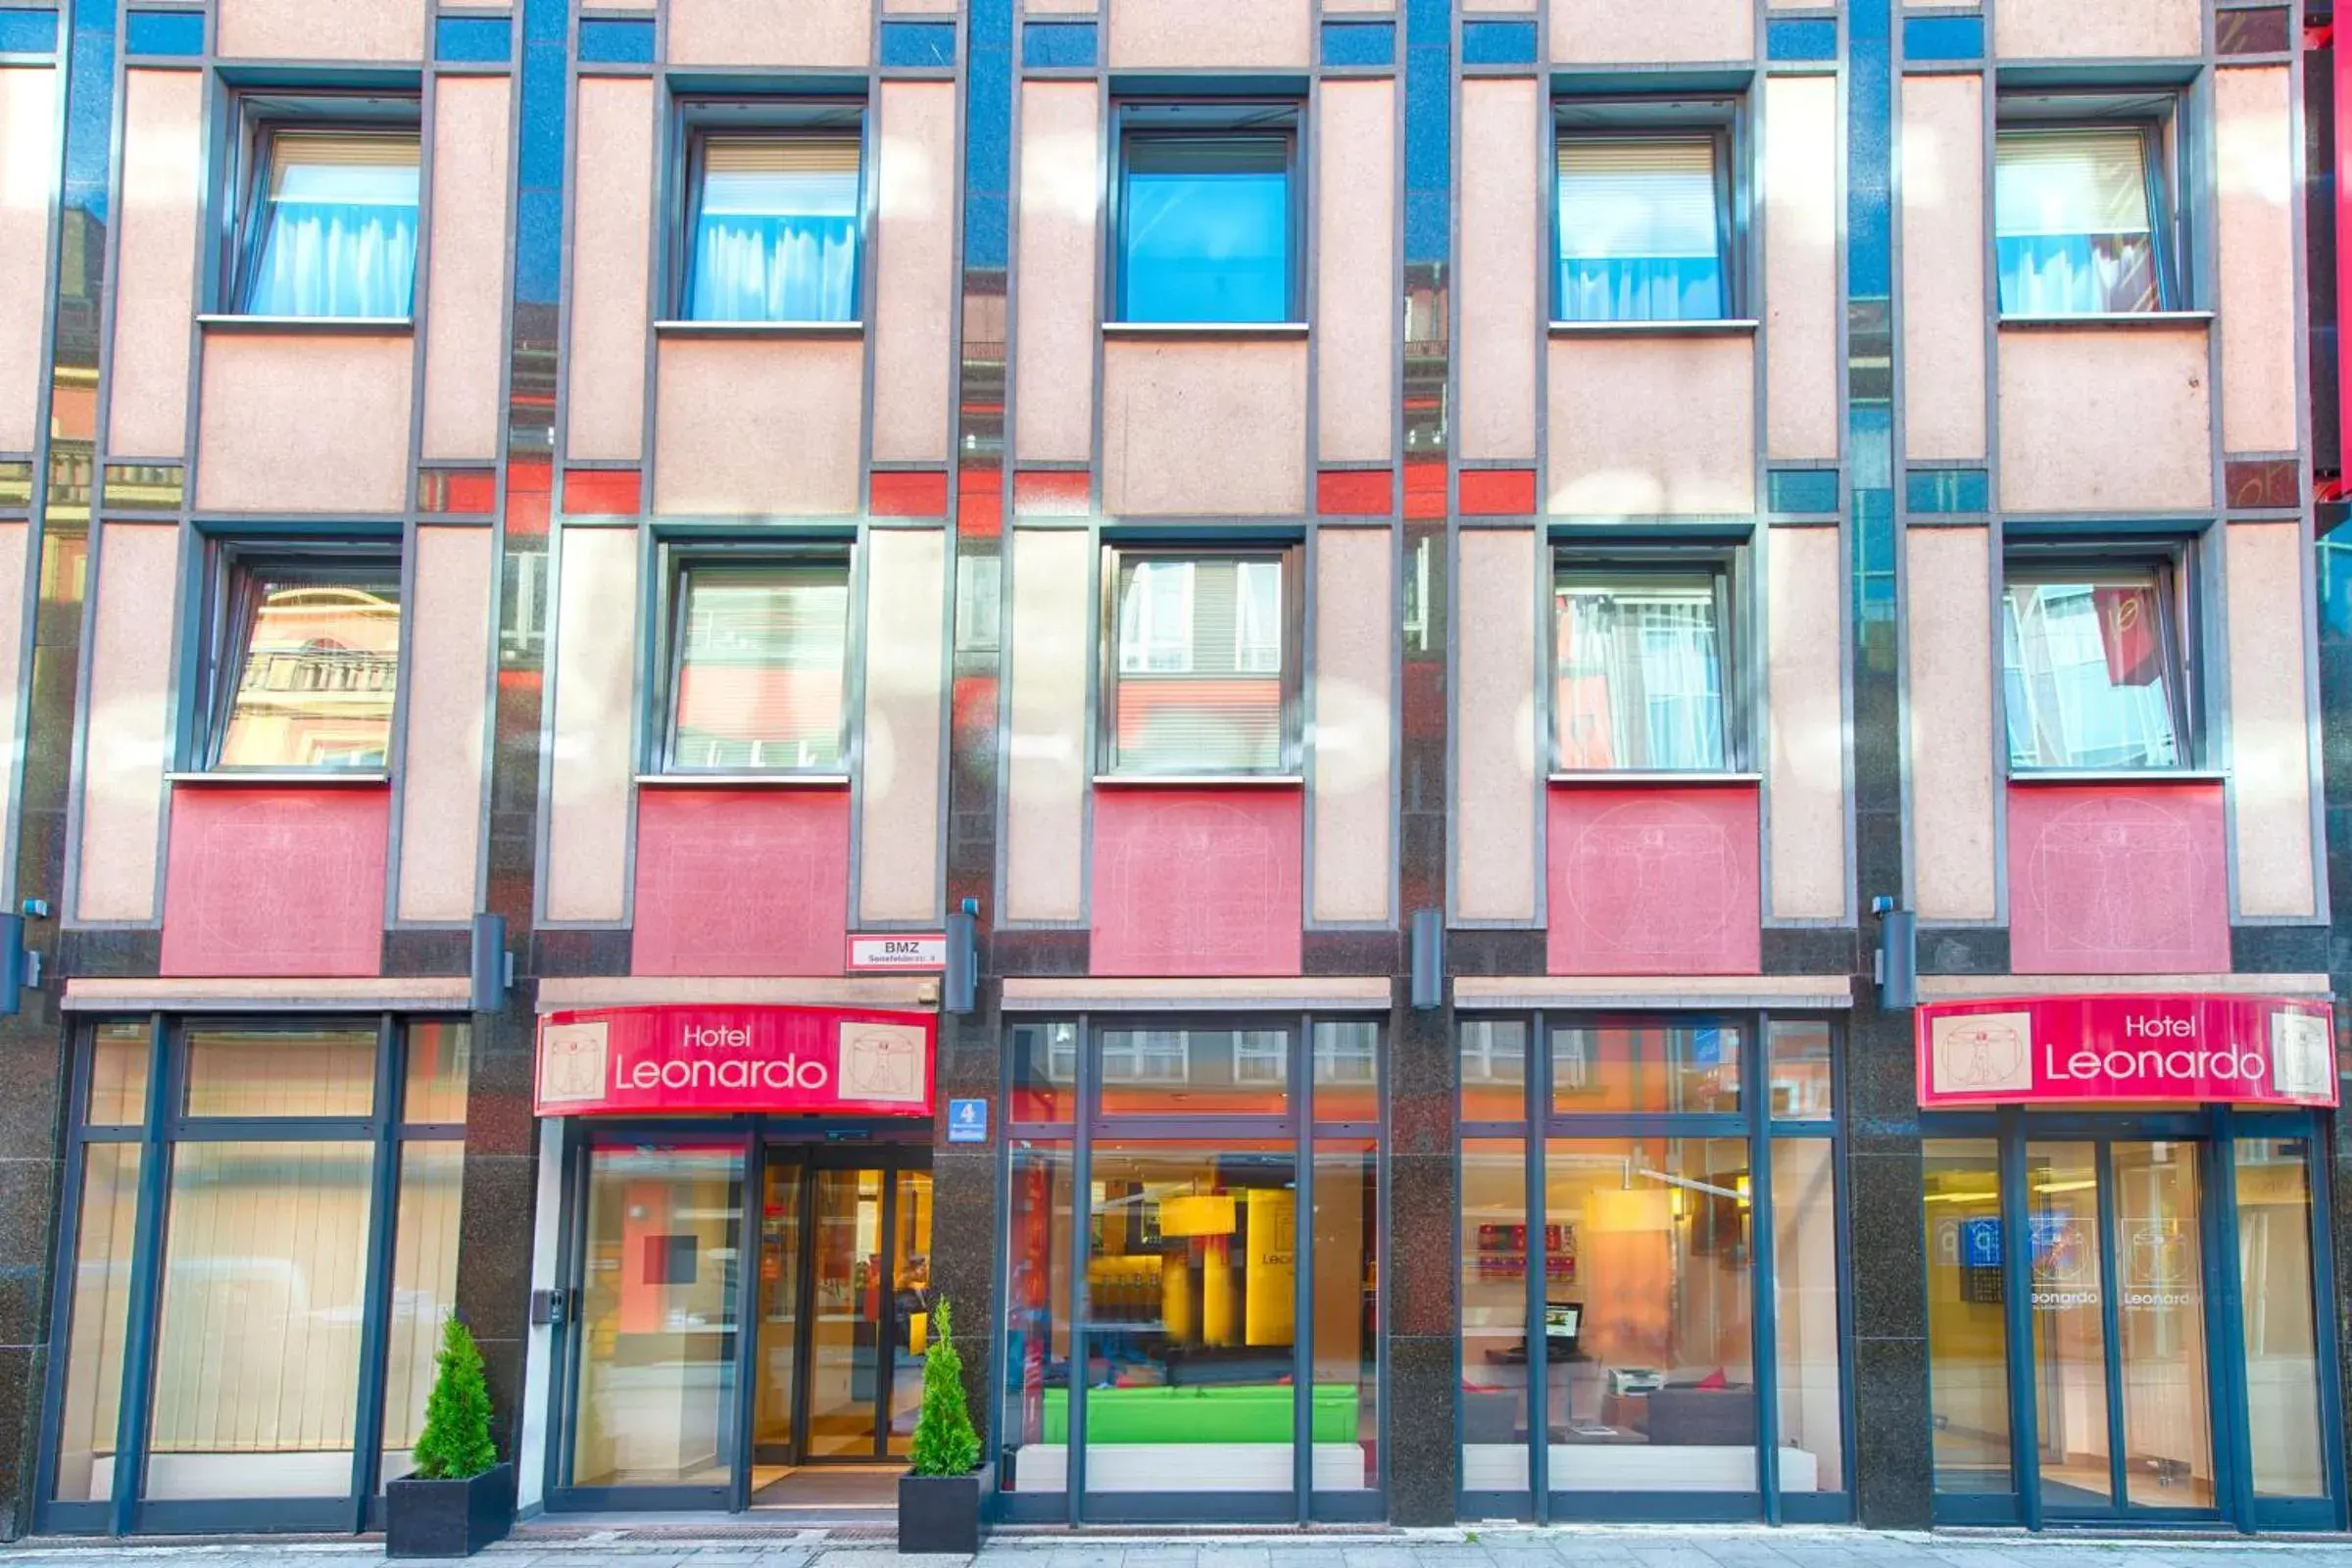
(1202,662)
(1207,216)
(331,223)
(305,661)
(757,654)
(1640,661)
(772,229)
(1645,226)
(2075,219)
(2090,667)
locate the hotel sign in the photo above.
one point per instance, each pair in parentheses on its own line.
(650,1061)
(2088,1051)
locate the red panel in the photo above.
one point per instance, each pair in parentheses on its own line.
(741,881)
(276,881)
(1355,492)
(1499,492)
(980,502)
(910,495)
(466,492)
(1053,493)
(2118,879)
(602,492)
(1648,879)
(1198,881)
(1424,490)
(2340,58)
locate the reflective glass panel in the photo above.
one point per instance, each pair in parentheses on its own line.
(1494,1061)
(1195,1072)
(773,1403)
(1968,1335)
(1493,1308)
(2160,1297)
(311,656)
(1044,1072)
(280,1072)
(2088,671)
(2071,216)
(1034,1444)
(775,229)
(439,1057)
(1804,1261)
(1641,229)
(424,1288)
(1199,665)
(2283,1358)
(338,219)
(760,658)
(1646,1066)
(1205,229)
(1801,1080)
(119,1058)
(1347,1062)
(106,1225)
(1640,671)
(1346,1307)
(846,1344)
(911,1317)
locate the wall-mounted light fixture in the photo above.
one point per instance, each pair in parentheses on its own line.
(1428,954)
(960,981)
(1896,964)
(489,967)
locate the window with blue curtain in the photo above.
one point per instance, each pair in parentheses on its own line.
(1640,672)
(335,222)
(775,232)
(1205,228)
(2074,220)
(1644,229)
(2089,669)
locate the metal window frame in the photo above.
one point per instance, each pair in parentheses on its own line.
(257,118)
(701,116)
(1290,556)
(2179,587)
(677,560)
(1275,120)
(1738,654)
(2159,118)
(1722,120)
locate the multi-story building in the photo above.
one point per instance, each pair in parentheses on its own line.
(1623,700)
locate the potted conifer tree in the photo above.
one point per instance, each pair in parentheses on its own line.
(457,1497)
(941,1493)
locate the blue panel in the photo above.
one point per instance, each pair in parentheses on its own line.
(29,33)
(1943,38)
(539,207)
(1947,490)
(1801,38)
(482,40)
(1427,130)
(1499,43)
(166,33)
(616,40)
(90,107)
(915,45)
(1870,269)
(988,133)
(1046,44)
(1358,43)
(1801,490)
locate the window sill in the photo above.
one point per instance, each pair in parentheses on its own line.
(1725,327)
(1242,331)
(743,781)
(755,329)
(1697,778)
(2119,775)
(1198,781)
(2110,320)
(277,777)
(314,325)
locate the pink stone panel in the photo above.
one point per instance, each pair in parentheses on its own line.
(441,800)
(28,169)
(2255,135)
(2132,29)
(1502,226)
(1943,266)
(1053,277)
(1623,31)
(155,268)
(772,32)
(1198,881)
(1204,426)
(1646,425)
(723,403)
(127,743)
(1651,880)
(1194,35)
(464,337)
(2118,879)
(316,30)
(1355,278)
(742,882)
(2101,420)
(276,881)
(611,246)
(914,271)
(1802,361)
(306,423)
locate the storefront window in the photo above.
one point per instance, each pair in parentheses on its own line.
(910,1285)
(424,1286)
(274,1073)
(106,1225)
(1346,1306)
(1493,1059)
(1195,1072)
(1035,1446)
(1347,1063)
(1806,1337)
(1967,1337)
(118,1056)
(2281,1336)
(1044,1072)
(1495,1332)
(1645,1067)
(1800,1070)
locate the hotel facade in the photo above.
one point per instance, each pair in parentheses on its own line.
(1556,760)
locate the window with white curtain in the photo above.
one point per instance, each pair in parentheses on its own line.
(2074,221)
(1202,664)
(774,228)
(1640,671)
(1643,229)
(331,230)
(2090,668)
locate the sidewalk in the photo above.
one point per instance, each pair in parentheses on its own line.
(1588,1547)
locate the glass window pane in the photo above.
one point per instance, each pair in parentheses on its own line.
(1044,1072)
(280,1072)
(1494,1063)
(312,655)
(96,1320)
(1195,1072)
(1641,672)
(760,668)
(440,1055)
(2072,218)
(1641,229)
(1347,1071)
(424,1289)
(845,1336)
(338,218)
(1205,233)
(1191,1294)
(1805,1261)
(2087,672)
(1649,1316)
(1968,1335)
(775,229)
(1199,677)
(1801,1084)
(1035,1446)
(1646,1066)
(1493,1305)
(119,1058)
(910,1287)
(2160,1342)
(2283,1364)
(656,1371)
(256,1362)
(1346,1306)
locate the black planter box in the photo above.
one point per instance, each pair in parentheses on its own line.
(448,1518)
(942,1513)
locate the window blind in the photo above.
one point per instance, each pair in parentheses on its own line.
(2068,180)
(1629,196)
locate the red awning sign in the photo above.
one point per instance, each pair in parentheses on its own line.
(643,1061)
(2110,1049)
